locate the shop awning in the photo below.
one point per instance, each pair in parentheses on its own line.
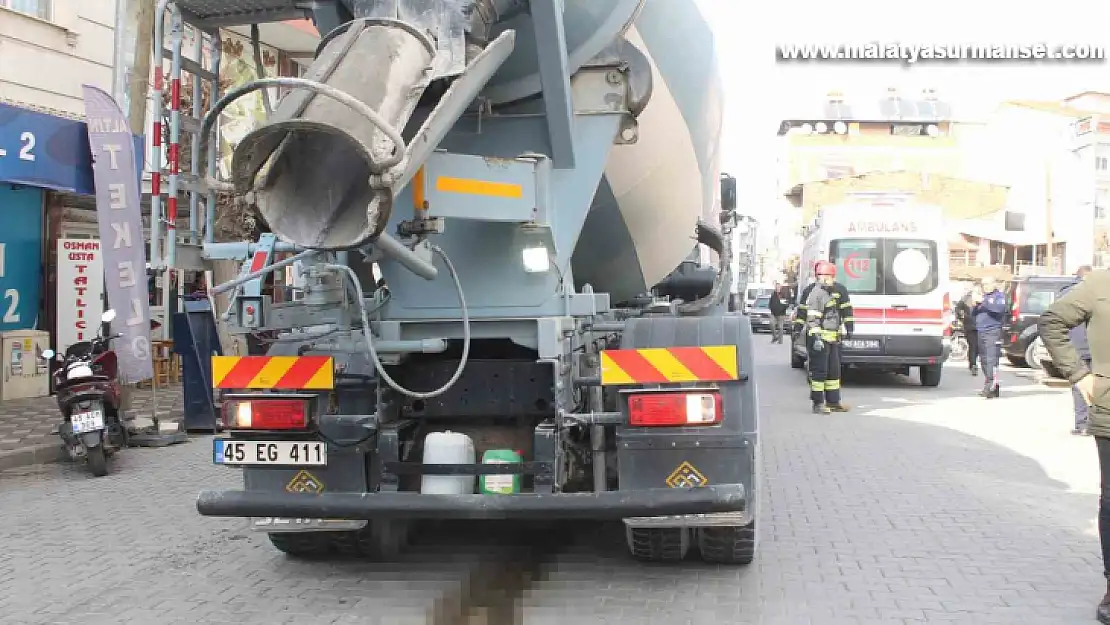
(47,151)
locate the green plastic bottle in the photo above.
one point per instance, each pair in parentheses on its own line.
(499,484)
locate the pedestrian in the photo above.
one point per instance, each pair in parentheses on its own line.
(828,320)
(1078,338)
(989,309)
(1088,303)
(967,323)
(778,305)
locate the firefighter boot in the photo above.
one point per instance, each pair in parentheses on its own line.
(839,407)
(820,408)
(1102,613)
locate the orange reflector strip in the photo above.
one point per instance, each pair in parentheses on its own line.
(716,363)
(273,372)
(471,186)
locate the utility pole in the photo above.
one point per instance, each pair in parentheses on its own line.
(138,84)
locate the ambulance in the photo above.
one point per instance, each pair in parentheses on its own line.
(891,253)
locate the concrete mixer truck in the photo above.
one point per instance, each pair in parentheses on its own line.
(500,211)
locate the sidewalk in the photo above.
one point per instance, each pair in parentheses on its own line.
(27,425)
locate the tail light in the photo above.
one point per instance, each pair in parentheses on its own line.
(1016,312)
(266,414)
(675,409)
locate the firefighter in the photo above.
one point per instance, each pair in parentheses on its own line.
(800,311)
(828,320)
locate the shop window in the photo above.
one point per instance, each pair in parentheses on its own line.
(42,9)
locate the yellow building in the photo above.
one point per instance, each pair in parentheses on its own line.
(959,198)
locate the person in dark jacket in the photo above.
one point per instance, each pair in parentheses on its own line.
(1088,303)
(989,310)
(1078,338)
(778,306)
(967,323)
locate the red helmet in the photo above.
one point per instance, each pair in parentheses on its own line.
(825,268)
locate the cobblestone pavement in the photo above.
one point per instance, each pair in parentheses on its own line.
(130,549)
(31,422)
(921,505)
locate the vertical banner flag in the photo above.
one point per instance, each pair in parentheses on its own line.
(122,244)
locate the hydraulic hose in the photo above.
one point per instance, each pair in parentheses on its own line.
(368,335)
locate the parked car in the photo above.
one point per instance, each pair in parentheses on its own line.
(760,314)
(1028,297)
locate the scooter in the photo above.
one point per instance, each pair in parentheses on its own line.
(89,396)
(959,349)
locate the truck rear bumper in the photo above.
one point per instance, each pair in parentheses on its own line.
(651,502)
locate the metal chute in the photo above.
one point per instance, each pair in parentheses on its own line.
(318,168)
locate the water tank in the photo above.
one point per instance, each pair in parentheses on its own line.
(448,448)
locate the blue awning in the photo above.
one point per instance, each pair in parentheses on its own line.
(49,152)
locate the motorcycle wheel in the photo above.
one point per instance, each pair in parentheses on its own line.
(97,460)
(959,350)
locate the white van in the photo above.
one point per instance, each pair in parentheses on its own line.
(754,292)
(892,256)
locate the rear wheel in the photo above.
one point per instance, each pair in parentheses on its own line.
(380,540)
(1036,354)
(304,545)
(728,545)
(97,461)
(658,544)
(930,375)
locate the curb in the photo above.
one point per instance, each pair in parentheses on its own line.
(35,454)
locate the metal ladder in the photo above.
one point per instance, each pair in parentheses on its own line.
(165,237)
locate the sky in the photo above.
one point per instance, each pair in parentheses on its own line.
(760,92)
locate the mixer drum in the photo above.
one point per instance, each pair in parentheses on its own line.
(644,217)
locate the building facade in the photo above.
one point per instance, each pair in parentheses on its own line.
(1020,187)
(49,49)
(1089,144)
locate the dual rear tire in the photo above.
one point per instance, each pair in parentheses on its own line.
(736,545)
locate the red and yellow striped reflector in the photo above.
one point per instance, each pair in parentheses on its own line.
(715,363)
(273,372)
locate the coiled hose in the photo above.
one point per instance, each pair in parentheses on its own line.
(368,335)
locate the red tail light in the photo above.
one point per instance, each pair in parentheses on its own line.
(266,414)
(1016,312)
(675,409)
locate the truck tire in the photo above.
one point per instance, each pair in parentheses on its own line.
(728,545)
(930,375)
(379,540)
(301,545)
(658,544)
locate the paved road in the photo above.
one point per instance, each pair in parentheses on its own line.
(919,506)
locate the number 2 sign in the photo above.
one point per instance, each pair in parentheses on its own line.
(20,256)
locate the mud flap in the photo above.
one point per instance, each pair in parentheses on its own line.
(92,439)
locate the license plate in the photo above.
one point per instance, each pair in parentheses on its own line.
(278,524)
(861,344)
(87,421)
(276,453)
